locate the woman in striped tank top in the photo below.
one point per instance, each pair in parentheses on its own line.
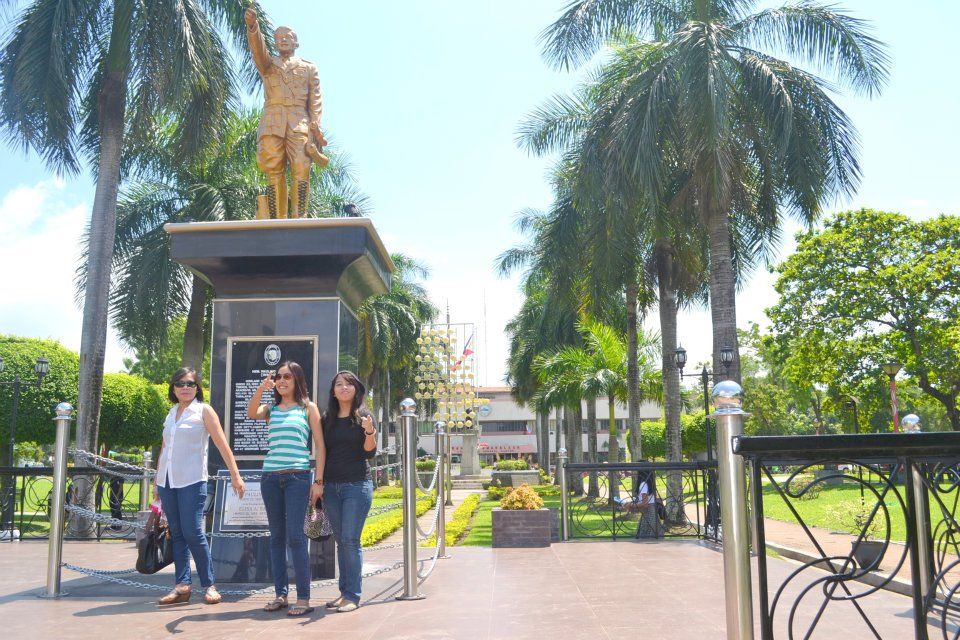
(285,484)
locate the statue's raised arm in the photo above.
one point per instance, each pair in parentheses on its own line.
(258,48)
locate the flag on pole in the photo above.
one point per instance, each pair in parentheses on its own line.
(467,351)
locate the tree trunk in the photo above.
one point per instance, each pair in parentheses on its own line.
(613,449)
(723,291)
(543,439)
(103,223)
(593,489)
(671,381)
(576,438)
(633,376)
(192,355)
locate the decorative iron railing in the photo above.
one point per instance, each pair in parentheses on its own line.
(30,490)
(899,495)
(605,500)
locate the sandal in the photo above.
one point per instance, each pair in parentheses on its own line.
(276,604)
(333,604)
(299,609)
(212,596)
(175,597)
(348,606)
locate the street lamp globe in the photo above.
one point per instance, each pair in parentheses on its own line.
(726,356)
(42,367)
(680,357)
(910,423)
(2,364)
(892,368)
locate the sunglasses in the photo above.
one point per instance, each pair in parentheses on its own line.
(190,384)
(283,376)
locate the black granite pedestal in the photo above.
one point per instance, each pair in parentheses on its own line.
(284,290)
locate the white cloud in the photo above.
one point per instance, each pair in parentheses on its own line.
(40,232)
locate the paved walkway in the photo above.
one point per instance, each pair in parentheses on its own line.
(588,590)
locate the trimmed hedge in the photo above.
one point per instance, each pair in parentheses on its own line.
(459,522)
(35,415)
(132,411)
(495,492)
(511,465)
(374,532)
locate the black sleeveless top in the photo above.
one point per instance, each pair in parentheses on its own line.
(346,457)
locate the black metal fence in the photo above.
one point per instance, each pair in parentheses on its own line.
(645,500)
(25,495)
(903,495)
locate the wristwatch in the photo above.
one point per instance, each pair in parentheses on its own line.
(370,433)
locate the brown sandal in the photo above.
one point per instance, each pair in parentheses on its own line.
(299,609)
(175,597)
(276,604)
(212,596)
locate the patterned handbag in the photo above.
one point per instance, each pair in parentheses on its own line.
(316,525)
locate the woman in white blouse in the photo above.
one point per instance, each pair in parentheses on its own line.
(182,481)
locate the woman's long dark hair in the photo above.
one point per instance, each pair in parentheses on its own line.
(300,392)
(356,409)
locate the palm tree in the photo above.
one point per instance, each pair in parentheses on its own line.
(149,289)
(81,81)
(750,131)
(599,369)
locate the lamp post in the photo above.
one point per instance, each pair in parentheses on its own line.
(726,359)
(40,368)
(892,368)
(853,404)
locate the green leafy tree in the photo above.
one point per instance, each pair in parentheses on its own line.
(157,366)
(133,411)
(869,287)
(751,132)
(82,82)
(36,410)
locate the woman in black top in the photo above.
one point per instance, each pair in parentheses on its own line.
(351,439)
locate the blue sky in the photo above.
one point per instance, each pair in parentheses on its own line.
(426,97)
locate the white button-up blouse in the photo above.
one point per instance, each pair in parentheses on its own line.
(185,444)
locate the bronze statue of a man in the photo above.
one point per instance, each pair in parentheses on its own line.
(289,132)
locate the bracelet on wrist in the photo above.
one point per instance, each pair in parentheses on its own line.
(318,481)
(369,433)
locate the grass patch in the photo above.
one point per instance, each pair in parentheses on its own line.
(459,522)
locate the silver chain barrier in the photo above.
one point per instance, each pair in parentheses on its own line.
(436,519)
(99,462)
(101,518)
(111,576)
(433,480)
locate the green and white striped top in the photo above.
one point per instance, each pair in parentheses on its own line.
(289,440)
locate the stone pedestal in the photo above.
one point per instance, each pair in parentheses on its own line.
(284,290)
(469,456)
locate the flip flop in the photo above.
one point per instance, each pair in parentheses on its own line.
(275,604)
(299,610)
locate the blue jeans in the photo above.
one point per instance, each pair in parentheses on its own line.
(347,505)
(285,497)
(184,510)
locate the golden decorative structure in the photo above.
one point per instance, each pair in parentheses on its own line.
(445,378)
(289,132)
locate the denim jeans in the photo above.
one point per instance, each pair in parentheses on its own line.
(184,510)
(347,505)
(285,496)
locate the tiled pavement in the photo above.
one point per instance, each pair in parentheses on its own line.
(606,590)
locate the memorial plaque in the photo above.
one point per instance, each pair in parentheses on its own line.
(249,360)
(246,560)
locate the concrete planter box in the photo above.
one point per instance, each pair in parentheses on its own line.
(521,529)
(426,477)
(516,478)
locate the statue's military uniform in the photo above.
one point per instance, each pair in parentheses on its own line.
(292,104)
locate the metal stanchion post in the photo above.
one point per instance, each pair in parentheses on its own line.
(911,424)
(448,469)
(441,493)
(55,546)
(145,481)
(408,419)
(564,496)
(727,399)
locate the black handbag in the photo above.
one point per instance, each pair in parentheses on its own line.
(155,549)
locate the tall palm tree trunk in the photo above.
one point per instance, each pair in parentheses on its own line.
(576,438)
(613,448)
(633,376)
(575,484)
(723,291)
(192,355)
(671,381)
(103,226)
(593,488)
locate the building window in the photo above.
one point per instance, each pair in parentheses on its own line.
(503,426)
